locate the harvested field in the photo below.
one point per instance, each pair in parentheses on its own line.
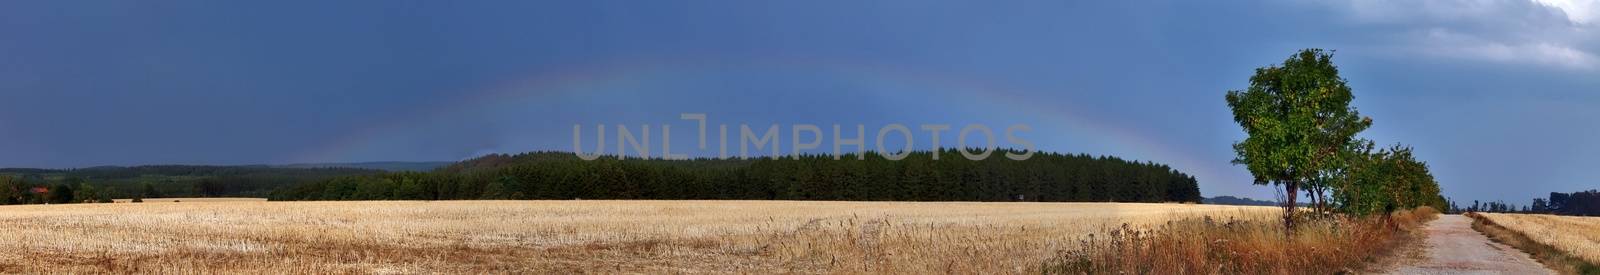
(1578,237)
(226,236)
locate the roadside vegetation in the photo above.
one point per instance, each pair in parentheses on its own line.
(1226,246)
(1567,244)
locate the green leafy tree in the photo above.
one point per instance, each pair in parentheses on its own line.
(1386,180)
(104,194)
(10,190)
(1299,120)
(374,189)
(150,191)
(340,189)
(62,193)
(409,189)
(87,193)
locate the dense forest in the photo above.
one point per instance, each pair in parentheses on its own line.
(95,184)
(561,175)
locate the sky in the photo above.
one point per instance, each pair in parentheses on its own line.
(1501,98)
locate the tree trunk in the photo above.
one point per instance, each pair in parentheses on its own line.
(1293,188)
(1322,202)
(1311,192)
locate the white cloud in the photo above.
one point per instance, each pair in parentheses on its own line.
(1444,43)
(1557,34)
(1577,11)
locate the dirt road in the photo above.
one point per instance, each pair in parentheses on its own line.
(1452,247)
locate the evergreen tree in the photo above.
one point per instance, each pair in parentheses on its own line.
(496,190)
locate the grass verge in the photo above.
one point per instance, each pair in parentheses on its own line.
(1548,255)
(1207,246)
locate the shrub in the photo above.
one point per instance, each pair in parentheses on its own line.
(1207,246)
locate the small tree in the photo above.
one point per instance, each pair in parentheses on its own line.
(61,194)
(1298,118)
(106,193)
(87,193)
(10,190)
(150,191)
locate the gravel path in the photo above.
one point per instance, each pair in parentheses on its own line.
(1452,247)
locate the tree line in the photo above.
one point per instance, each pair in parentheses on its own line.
(102,184)
(561,175)
(1381,181)
(1581,203)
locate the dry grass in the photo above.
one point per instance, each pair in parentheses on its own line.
(1565,243)
(1209,246)
(565,236)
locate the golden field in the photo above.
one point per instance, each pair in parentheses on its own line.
(253,236)
(1575,236)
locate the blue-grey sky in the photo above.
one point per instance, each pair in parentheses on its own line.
(1502,98)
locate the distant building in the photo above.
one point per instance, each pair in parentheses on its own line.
(39,190)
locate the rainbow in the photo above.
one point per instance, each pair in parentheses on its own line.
(621,78)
